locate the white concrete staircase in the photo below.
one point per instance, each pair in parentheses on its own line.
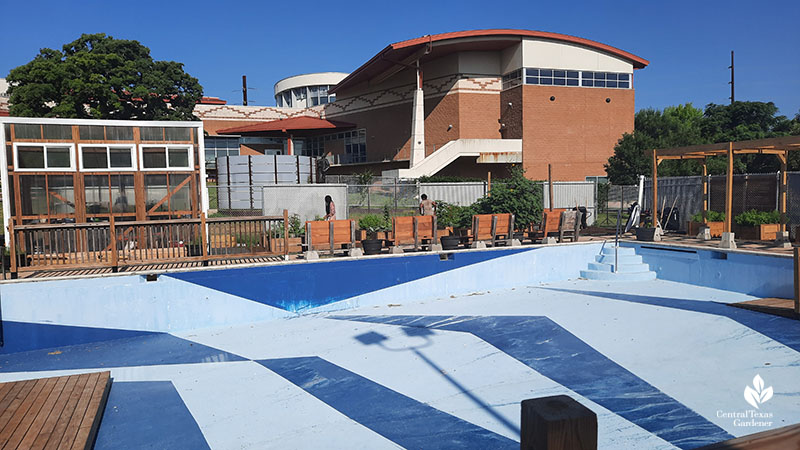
(497,150)
(631,267)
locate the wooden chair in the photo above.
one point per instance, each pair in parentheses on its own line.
(570,226)
(413,230)
(548,225)
(493,228)
(332,235)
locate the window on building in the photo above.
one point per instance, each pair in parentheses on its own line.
(166,157)
(107,157)
(552,77)
(606,79)
(355,146)
(56,157)
(216,147)
(314,146)
(512,79)
(158,199)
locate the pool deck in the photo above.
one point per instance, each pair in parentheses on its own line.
(663,364)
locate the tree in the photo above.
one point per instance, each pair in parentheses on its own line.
(516,195)
(100,77)
(679,126)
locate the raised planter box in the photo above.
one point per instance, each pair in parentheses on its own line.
(645,234)
(764,232)
(714,227)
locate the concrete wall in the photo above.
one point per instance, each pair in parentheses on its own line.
(738,271)
(307,201)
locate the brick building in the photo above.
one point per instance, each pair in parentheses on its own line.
(462,103)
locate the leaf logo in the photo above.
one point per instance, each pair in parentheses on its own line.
(757,394)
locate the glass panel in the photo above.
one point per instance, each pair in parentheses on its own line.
(178,134)
(546,73)
(572,82)
(559,82)
(532,80)
(154,157)
(33,194)
(120,157)
(9,154)
(559,73)
(57,131)
(91,132)
(96,191)
(611,84)
(151,133)
(179,157)
(7,131)
(611,76)
(155,189)
(27,131)
(572,74)
(624,84)
(623,77)
(588,83)
(30,156)
(119,133)
(123,194)
(58,157)
(323,100)
(94,157)
(588,75)
(546,81)
(180,200)
(61,194)
(599,83)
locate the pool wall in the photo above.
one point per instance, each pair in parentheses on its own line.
(80,310)
(756,274)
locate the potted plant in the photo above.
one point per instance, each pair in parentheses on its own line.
(372,224)
(757,225)
(456,220)
(647,232)
(715,221)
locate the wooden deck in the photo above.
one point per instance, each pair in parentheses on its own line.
(776,306)
(785,438)
(53,413)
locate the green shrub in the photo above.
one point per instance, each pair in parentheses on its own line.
(448,215)
(296,228)
(373,223)
(447,179)
(754,218)
(517,195)
(711,216)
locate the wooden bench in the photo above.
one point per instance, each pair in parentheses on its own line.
(492,228)
(413,230)
(331,235)
(58,412)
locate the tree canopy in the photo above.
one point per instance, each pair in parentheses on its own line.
(99,77)
(682,125)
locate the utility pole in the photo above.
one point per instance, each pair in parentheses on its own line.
(733,97)
(244,89)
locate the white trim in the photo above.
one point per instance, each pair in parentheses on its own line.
(44,145)
(187,147)
(201,152)
(121,123)
(108,146)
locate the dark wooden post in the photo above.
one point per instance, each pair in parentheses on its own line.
(286,234)
(12,248)
(204,238)
(782,188)
(729,190)
(112,231)
(550,183)
(557,423)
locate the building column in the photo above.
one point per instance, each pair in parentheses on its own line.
(289,146)
(418,123)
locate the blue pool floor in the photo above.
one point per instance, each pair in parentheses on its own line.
(661,363)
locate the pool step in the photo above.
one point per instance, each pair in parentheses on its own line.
(631,267)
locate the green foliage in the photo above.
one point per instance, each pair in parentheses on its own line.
(447,179)
(296,228)
(711,216)
(449,215)
(387,214)
(517,195)
(99,77)
(249,239)
(755,218)
(373,223)
(366,177)
(683,125)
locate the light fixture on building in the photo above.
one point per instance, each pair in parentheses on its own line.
(449,127)
(510,104)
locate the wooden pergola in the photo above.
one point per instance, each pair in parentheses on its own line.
(780,147)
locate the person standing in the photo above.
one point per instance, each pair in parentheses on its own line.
(427,207)
(330,208)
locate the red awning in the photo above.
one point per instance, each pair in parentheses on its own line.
(291,124)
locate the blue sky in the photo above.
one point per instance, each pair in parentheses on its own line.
(688,43)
